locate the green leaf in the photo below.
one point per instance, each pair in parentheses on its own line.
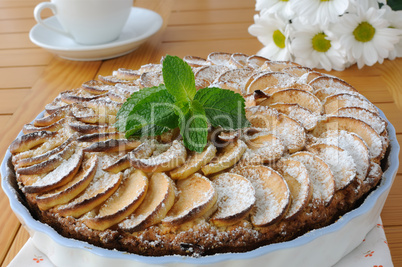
(156,109)
(223,108)
(179,78)
(395,4)
(131,102)
(194,127)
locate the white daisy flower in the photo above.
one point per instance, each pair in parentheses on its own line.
(366,36)
(312,47)
(363,4)
(281,7)
(395,21)
(272,31)
(319,12)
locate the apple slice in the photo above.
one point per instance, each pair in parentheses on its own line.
(305,117)
(291,133)
(85,128)
(236,198)
(77,96)
(52,118)
(262,117)
(144,150)
(372,138)
(298,181)
(235,79)
(297,71)
(334,102)
(104,106)
(277,65)
(295,96)
(219,58)
(196,62)
(95,87)
(339,161)
(194,163)
(226,158)
(69,191)
(197,196)
(113,145)
(365,115)
(271,192)
(97,137)
(269,79)
(151,78)
(122,203)
(239,60)
(59,176)
(354,145)
(51,163)
(325,86)
(158,201)
(300,86)
(127,74)
(255,62)
(321,177)
(30,128)
(170,159)
(102,186)
(262,148)
(205,76)
(111,79)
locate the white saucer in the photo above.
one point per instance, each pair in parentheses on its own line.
(142,24)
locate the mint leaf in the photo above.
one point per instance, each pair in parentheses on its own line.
(156,109)
(131,102)
(179,78)
(223,108)
(149,130)
(194,127)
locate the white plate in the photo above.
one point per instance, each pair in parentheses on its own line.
(142,24)
(320,247)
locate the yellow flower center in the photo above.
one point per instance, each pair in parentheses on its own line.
(321,44)
(279,39)
(284,0)
(364,32)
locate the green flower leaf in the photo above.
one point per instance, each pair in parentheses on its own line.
(179,78)
(223,108)
(194,127)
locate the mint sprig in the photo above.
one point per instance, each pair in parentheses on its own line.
(177,103)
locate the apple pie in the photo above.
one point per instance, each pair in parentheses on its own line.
(313,151)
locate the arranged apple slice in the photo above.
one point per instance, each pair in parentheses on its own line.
(262,116)
(122,203)
(206,75)
(296,85)
(111,79)
(236,198)
(277,65)
(52,118)
(151,78)
(85,128)
(104,106)
(262,148)
(27,141)
(69,191)
(295,96)
(97,137)
(170,159)
(51,163)
(95,87)
(194,163)
(365,115)
(127,74)
(297,71)
(296,176)
(339,161)
(291,133)
(30,128)
(354,145)
(321,177)
(197,196)
(143,151)
(334,102)
(269,79)
(158,201)
(102,186)
(219,58)
(271,192)
(326,86)
(234,79)
(255,62)
(305,117)
(226,158)
(60,176)
(196,62)
(372,138)
(113,145)
(239,60)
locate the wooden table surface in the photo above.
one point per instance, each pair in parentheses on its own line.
(31,77)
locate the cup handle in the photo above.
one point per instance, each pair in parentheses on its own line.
(37,14)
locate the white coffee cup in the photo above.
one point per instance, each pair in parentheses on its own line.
(88,22)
